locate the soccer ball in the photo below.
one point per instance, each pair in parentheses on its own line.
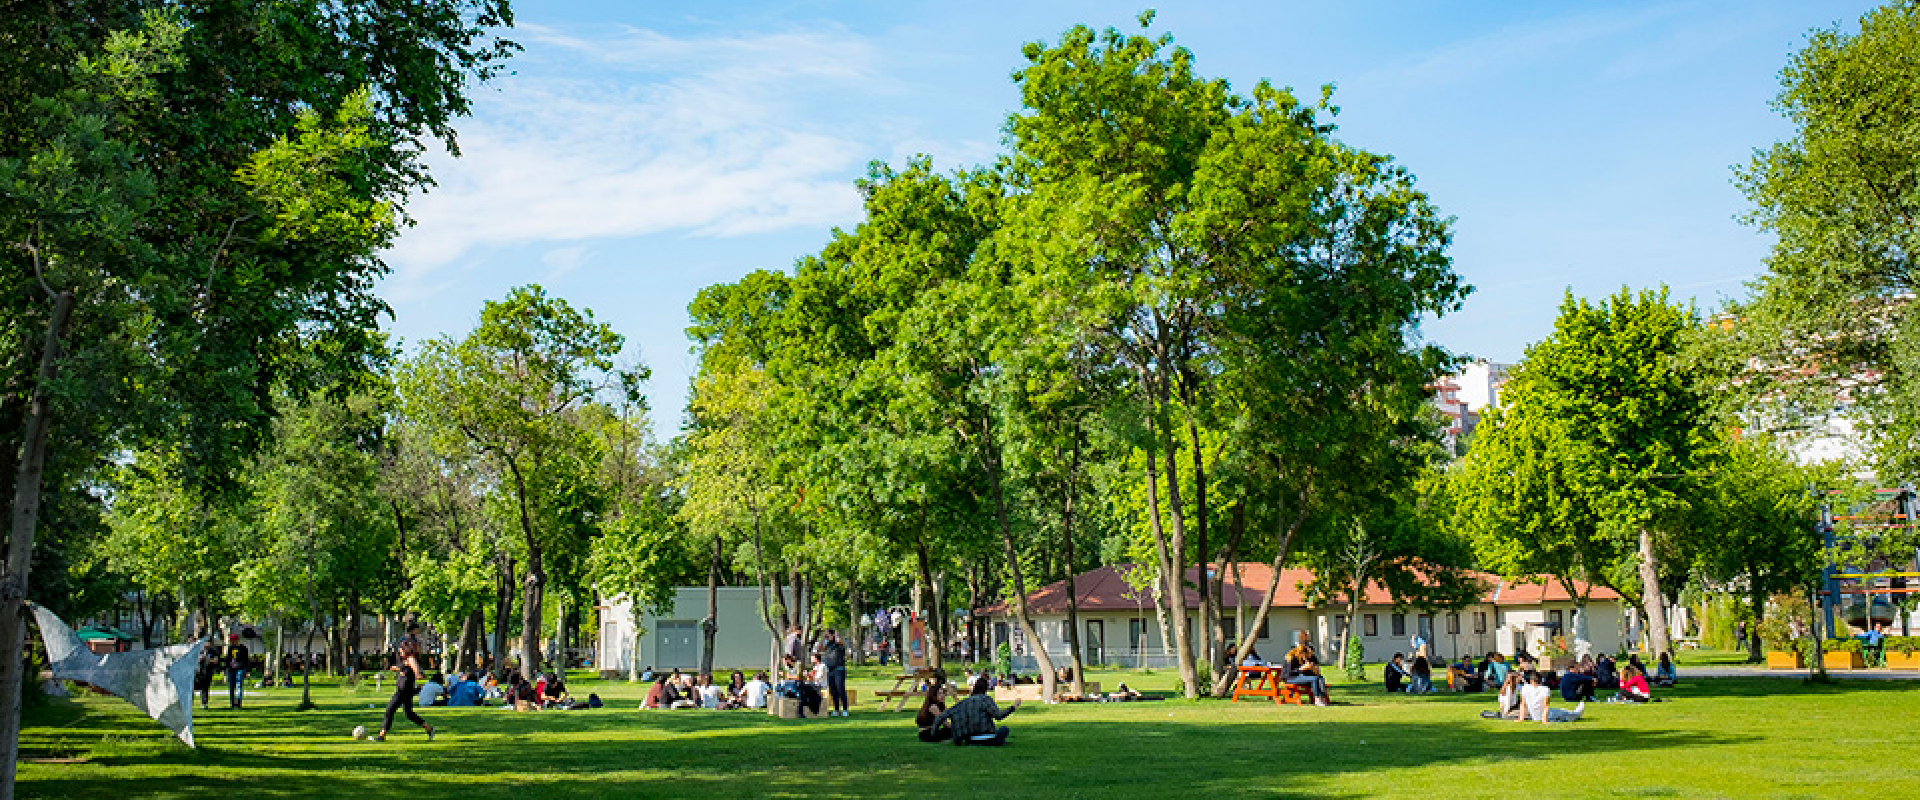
(359,732)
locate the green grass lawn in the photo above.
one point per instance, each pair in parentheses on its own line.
(1717,738)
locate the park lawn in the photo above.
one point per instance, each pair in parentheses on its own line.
(1717,738)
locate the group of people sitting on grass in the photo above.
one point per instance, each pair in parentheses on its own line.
(676,689)
(974,720)
(547,692)
(1590,673)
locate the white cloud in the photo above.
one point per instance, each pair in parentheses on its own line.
(708,136)
(1511,49)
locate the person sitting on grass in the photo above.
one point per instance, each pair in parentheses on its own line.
(1577,684)
(1461,676)
(974,718)
(1303,670)
(1397,673)
(555,693)
(654,692)
(736,691)
(1633,687)
(524,696)
(1604,675)
(670,696)
(1495,673)
(432,692)
(1534,699)
(709,694)
(466,691)
(1665,675)
(1508,705)
(755,695)
(1422,672)
(930,709)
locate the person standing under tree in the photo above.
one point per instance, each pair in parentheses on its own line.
(237,661)
(832,654)
(405,687)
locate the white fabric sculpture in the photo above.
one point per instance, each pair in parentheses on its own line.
(159,682)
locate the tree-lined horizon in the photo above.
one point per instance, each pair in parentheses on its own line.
(1171,324)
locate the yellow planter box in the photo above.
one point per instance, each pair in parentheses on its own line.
(1899,660)
(1780,660)
(1843,660)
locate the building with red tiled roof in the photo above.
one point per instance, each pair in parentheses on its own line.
(1122,625)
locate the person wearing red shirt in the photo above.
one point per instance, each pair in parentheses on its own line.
(1633,686)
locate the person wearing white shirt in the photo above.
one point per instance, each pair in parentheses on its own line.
(430,691)
(1535,696)
(757,691)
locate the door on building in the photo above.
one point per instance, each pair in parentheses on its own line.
(1000,634)
(677,644)
(1096,643)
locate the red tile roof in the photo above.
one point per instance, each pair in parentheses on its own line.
(1106,589)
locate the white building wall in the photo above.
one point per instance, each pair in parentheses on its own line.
(741,639)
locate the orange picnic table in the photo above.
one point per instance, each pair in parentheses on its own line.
(1267,681)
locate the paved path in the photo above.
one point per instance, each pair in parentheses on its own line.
(1763,672)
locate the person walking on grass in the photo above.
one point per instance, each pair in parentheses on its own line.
(404,688)
(237,661)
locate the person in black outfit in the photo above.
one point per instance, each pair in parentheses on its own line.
(404,689)
(237,661)
(833,653)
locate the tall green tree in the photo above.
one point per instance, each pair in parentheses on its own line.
(1832,322)
(1219,251)
(194,192)
(1754,524)
(1617,419)
(505,394)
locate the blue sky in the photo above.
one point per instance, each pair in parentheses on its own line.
(641,151)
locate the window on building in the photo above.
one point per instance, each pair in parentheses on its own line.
(1479,622)
(1557,620)
(1340,626)
(1399,624)
(1136,633)
(1371,624)
(1453,622)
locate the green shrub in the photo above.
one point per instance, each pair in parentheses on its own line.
(1354,660)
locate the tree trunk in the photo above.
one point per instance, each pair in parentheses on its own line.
(1078,681)
(502,611)
(469,641)
(25,522)
(768,593)
(853,621)
(1654,602)
(925,563)
(1159,590)
(351,642)
(1171,552)
(710,624)
(1211,642)
(797,602)
(533,585)
(1759,600)
(991,462)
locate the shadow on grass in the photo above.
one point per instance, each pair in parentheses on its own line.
(1153,749)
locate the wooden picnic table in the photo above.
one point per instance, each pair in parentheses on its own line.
(1267,681)
(899,696)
